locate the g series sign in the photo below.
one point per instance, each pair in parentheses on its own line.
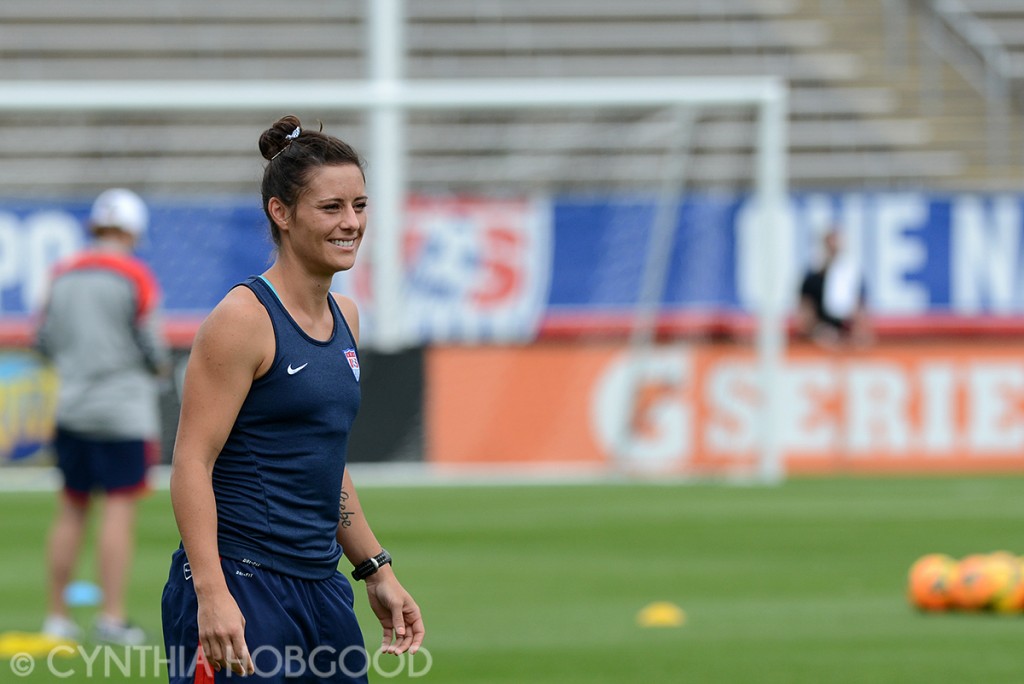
(698,409)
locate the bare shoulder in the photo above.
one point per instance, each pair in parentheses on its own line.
(239,308)
(350,311)
(238,328)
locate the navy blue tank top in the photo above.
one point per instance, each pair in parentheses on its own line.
(277,480)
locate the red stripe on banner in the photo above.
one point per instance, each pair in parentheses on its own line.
(618,324)
(558,326)
(179,331)
(17,332)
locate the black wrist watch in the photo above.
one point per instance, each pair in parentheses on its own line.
(371,565)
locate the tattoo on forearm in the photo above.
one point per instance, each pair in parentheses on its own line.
(344,515)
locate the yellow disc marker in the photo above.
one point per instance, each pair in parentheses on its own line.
(34,644)
(661,614)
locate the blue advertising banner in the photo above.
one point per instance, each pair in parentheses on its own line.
(918,254)
(197,248)
(500,269)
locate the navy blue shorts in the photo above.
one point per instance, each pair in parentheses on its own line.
(113,466)
(297,630)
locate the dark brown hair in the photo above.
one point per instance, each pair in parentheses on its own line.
(293,154)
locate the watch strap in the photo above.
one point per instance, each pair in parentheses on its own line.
(371,565)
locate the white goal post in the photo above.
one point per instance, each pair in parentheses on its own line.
(387,97)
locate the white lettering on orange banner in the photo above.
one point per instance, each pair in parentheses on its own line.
(863,409)
(700,409)
(637,409)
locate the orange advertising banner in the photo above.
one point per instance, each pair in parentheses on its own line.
(698,409)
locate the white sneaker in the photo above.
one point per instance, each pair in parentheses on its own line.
(111,631)
(60,627)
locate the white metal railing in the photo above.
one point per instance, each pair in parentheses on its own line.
(986,64)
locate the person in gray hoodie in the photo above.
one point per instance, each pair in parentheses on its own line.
(100,327)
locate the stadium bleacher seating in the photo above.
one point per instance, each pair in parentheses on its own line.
(855,118)
(1005,18)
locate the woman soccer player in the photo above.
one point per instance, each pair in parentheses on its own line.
(262,498)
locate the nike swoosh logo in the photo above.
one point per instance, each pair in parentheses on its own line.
(293,371)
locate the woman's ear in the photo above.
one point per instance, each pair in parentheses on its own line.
(278,213)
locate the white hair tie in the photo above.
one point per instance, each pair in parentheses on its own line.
(289,138)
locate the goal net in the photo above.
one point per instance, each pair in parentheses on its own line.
(591,270)
(598,270)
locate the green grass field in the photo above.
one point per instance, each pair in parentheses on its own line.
(799,583)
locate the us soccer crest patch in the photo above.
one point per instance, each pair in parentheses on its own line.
(353,362)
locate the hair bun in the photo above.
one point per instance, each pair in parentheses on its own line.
(279,136)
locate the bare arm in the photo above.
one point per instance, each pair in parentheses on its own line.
(395,608)
(398,613)
(231,348)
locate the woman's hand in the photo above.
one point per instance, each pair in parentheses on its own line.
(222,634)
(398,613)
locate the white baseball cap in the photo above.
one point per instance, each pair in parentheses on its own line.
(120,208)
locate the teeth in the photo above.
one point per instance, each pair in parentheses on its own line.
(343,243)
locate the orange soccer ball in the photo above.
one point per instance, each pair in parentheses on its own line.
(974,585)
(929,581)
(1008,573)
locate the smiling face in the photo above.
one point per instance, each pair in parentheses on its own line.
(324,229)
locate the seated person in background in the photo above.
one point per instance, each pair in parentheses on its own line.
(831,310)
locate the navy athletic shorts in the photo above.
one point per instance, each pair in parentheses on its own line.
(296,630)
(115,466)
